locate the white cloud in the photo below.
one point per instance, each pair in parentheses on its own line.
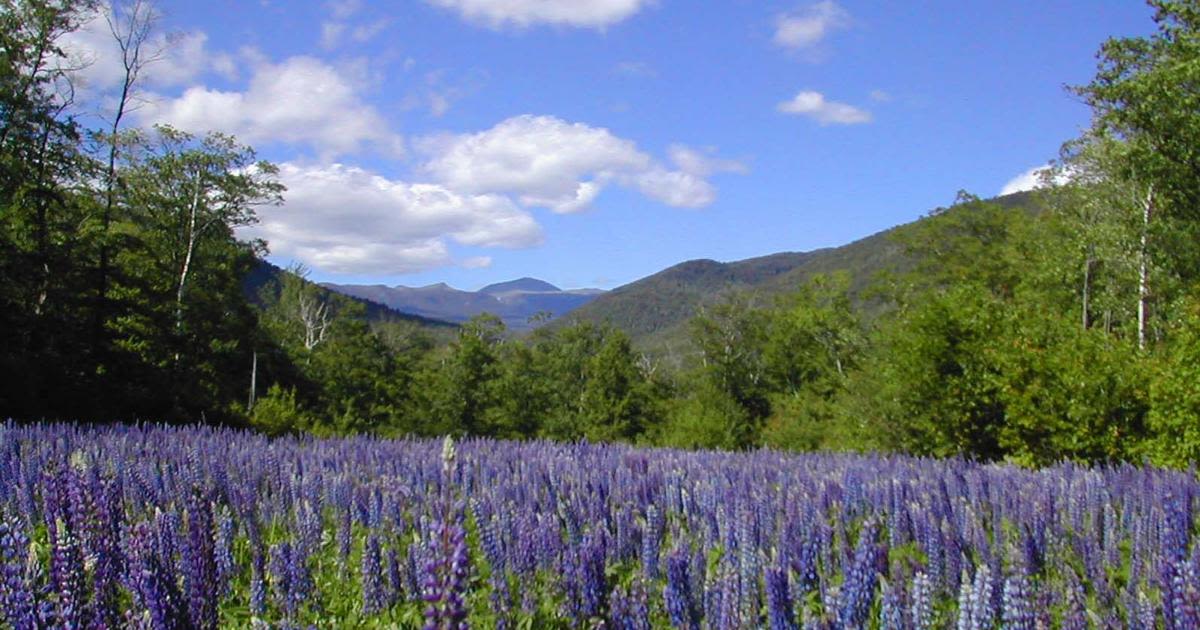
(807,27)
(476,262)
(364,33)
(880,96)
(815,106)
(702,162)
(301,100)
(547,162)
(1035,178)
(523,13)
(441,91)
(343,9)
(331,34)
(344,219)
(169,59)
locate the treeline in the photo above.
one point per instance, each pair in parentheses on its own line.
(1068,331)
(120,272)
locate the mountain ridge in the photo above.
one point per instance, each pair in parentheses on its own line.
(515,302)
(654,310)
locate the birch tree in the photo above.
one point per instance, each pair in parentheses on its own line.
(187,193)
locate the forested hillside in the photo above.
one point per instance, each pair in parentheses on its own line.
(1059,324)
(655,310)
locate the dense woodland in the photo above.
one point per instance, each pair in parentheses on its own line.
(1069,329)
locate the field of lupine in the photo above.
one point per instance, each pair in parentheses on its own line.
(150,527)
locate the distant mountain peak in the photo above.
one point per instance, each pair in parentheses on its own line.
(526,285)
(514,301)
(440,286)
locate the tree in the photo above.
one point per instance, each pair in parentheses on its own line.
(1174,419)
(1146,96)
(731,338)
(938,392)
(464,383)
(190,191)
(184,317)
(45,363)
(616,397)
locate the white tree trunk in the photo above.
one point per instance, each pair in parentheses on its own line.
(1144,268)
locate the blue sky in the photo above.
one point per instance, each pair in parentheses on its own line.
(593,142)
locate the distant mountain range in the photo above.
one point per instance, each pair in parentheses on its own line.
(266,280)
(514,302)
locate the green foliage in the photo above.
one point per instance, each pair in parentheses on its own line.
(1070,393)
(704,419)
(278,413)
(938,387)
(1174,419)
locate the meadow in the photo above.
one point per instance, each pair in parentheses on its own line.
(159,527)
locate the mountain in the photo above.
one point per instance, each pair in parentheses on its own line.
(655,310)
(514,302)
(265,277)
(520,285)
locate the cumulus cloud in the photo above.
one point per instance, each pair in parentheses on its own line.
(302,101)
(1035,178)
(170,59)
(345,219)
(522,13)
(702,162)
(547,162)
(806,27)
(815,106)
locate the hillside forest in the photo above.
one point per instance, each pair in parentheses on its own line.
(1064,327)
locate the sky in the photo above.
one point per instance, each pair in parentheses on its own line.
(590,143)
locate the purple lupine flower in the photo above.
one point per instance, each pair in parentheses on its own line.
(373,599)
(258,583)
(152,581)
(1146,612)
(1018,609)
(446,576)
(200,564)
(17,606)
(588,576)
(965,622)
(858,589)
(677,594)
(983,609)
(780,614)
(107,520)
(395,576)
(67,575)
(448,564)
(922,602)
(282,586)
(1074,616)
(344,536)
(629,609)
(651,539)
(1186,593)
(223,553)
(891,610)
